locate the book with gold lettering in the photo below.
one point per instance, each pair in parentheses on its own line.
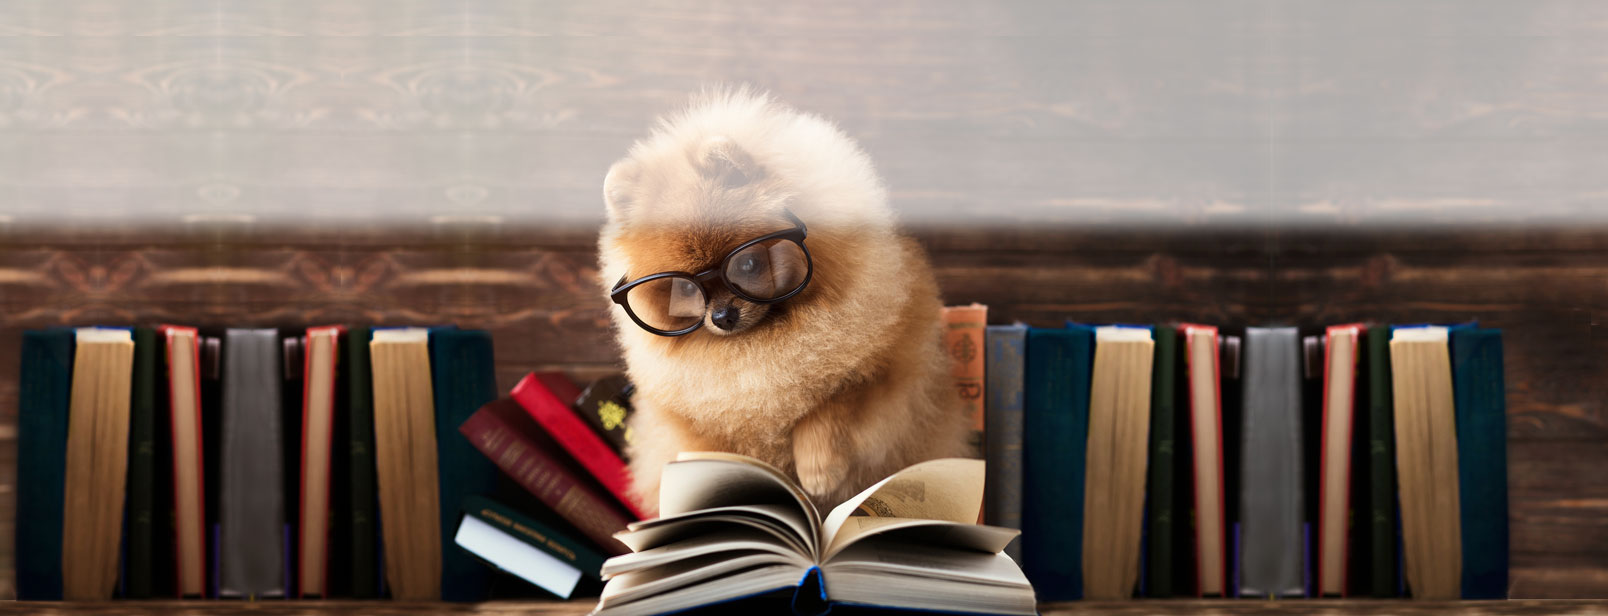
(526,547)
(605,405)
(503,432)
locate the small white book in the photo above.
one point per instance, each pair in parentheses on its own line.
(734,528)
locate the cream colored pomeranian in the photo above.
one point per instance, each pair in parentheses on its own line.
(767,305)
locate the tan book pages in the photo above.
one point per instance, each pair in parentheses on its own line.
(97,463)
(405,457)
(1339,406)
(317,423)
(1205,420)
(1426,461)
(1119,438)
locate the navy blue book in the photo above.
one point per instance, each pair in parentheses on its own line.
(1480,401)
(45,390)
(1055,433)
(1006,358)
(463,379)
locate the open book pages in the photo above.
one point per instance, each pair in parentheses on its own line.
(734,527)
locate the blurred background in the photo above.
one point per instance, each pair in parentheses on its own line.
(1241,162)
(1018,112)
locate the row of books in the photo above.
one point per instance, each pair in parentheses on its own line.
(330,462)
(1189,460)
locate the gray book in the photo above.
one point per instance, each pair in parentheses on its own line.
(1002,504)
(251,512)
(1271,505)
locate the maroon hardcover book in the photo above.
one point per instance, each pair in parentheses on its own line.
(511,439)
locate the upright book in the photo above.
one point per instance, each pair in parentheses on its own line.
(963,341)
(1272,499)
(1206,441)
(405,460)
(1426,461)
(1481,405)
(321,349)
(362,517)
(507,436)
(97,462)
(251,508)
(462,364)
(139,557)
(536,394)
(1162,516)
(1055,421)
(739,535)
(1382,512)
(189,498)
(1002,494)
(1334,489)
(44,397)
(1119,435)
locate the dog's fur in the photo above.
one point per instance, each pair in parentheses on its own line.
(841,385)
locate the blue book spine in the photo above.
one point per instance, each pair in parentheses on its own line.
(1006,356)
(1480,401)
(1055,441)
(45,392)
(463,380)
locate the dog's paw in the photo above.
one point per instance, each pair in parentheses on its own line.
(821,470)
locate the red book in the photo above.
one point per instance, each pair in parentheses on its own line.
(504,433)
(1206,435)
(546,396)
(189,483)
(318,427)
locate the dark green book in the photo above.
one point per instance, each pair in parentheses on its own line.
(44,396)
(1055,432)
(363,514)
(464,379)
(141,532)
(1160,513)
(1381,467)
(1481,405)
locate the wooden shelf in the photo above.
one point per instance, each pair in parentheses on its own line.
(581,607)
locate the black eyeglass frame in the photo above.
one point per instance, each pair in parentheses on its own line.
(795,235)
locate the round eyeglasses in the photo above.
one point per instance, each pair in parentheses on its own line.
(764,270)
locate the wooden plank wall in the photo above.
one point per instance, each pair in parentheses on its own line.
(536,291)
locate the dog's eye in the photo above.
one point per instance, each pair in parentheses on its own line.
(747,263)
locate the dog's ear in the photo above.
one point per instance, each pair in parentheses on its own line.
(725,162)
(617,187)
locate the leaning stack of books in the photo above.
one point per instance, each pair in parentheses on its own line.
(327,462)
(1191,460)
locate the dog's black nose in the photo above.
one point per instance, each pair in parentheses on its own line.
(726,317)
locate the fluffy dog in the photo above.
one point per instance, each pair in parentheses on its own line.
(839,385)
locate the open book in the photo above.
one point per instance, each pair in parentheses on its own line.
(734,529)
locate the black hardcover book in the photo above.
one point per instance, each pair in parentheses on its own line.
(605,405)
(140,534)
(363,539)
(210,344)
(340,569)
(292,355)
(1231,360)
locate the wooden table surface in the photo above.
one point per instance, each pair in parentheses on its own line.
(581,607)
